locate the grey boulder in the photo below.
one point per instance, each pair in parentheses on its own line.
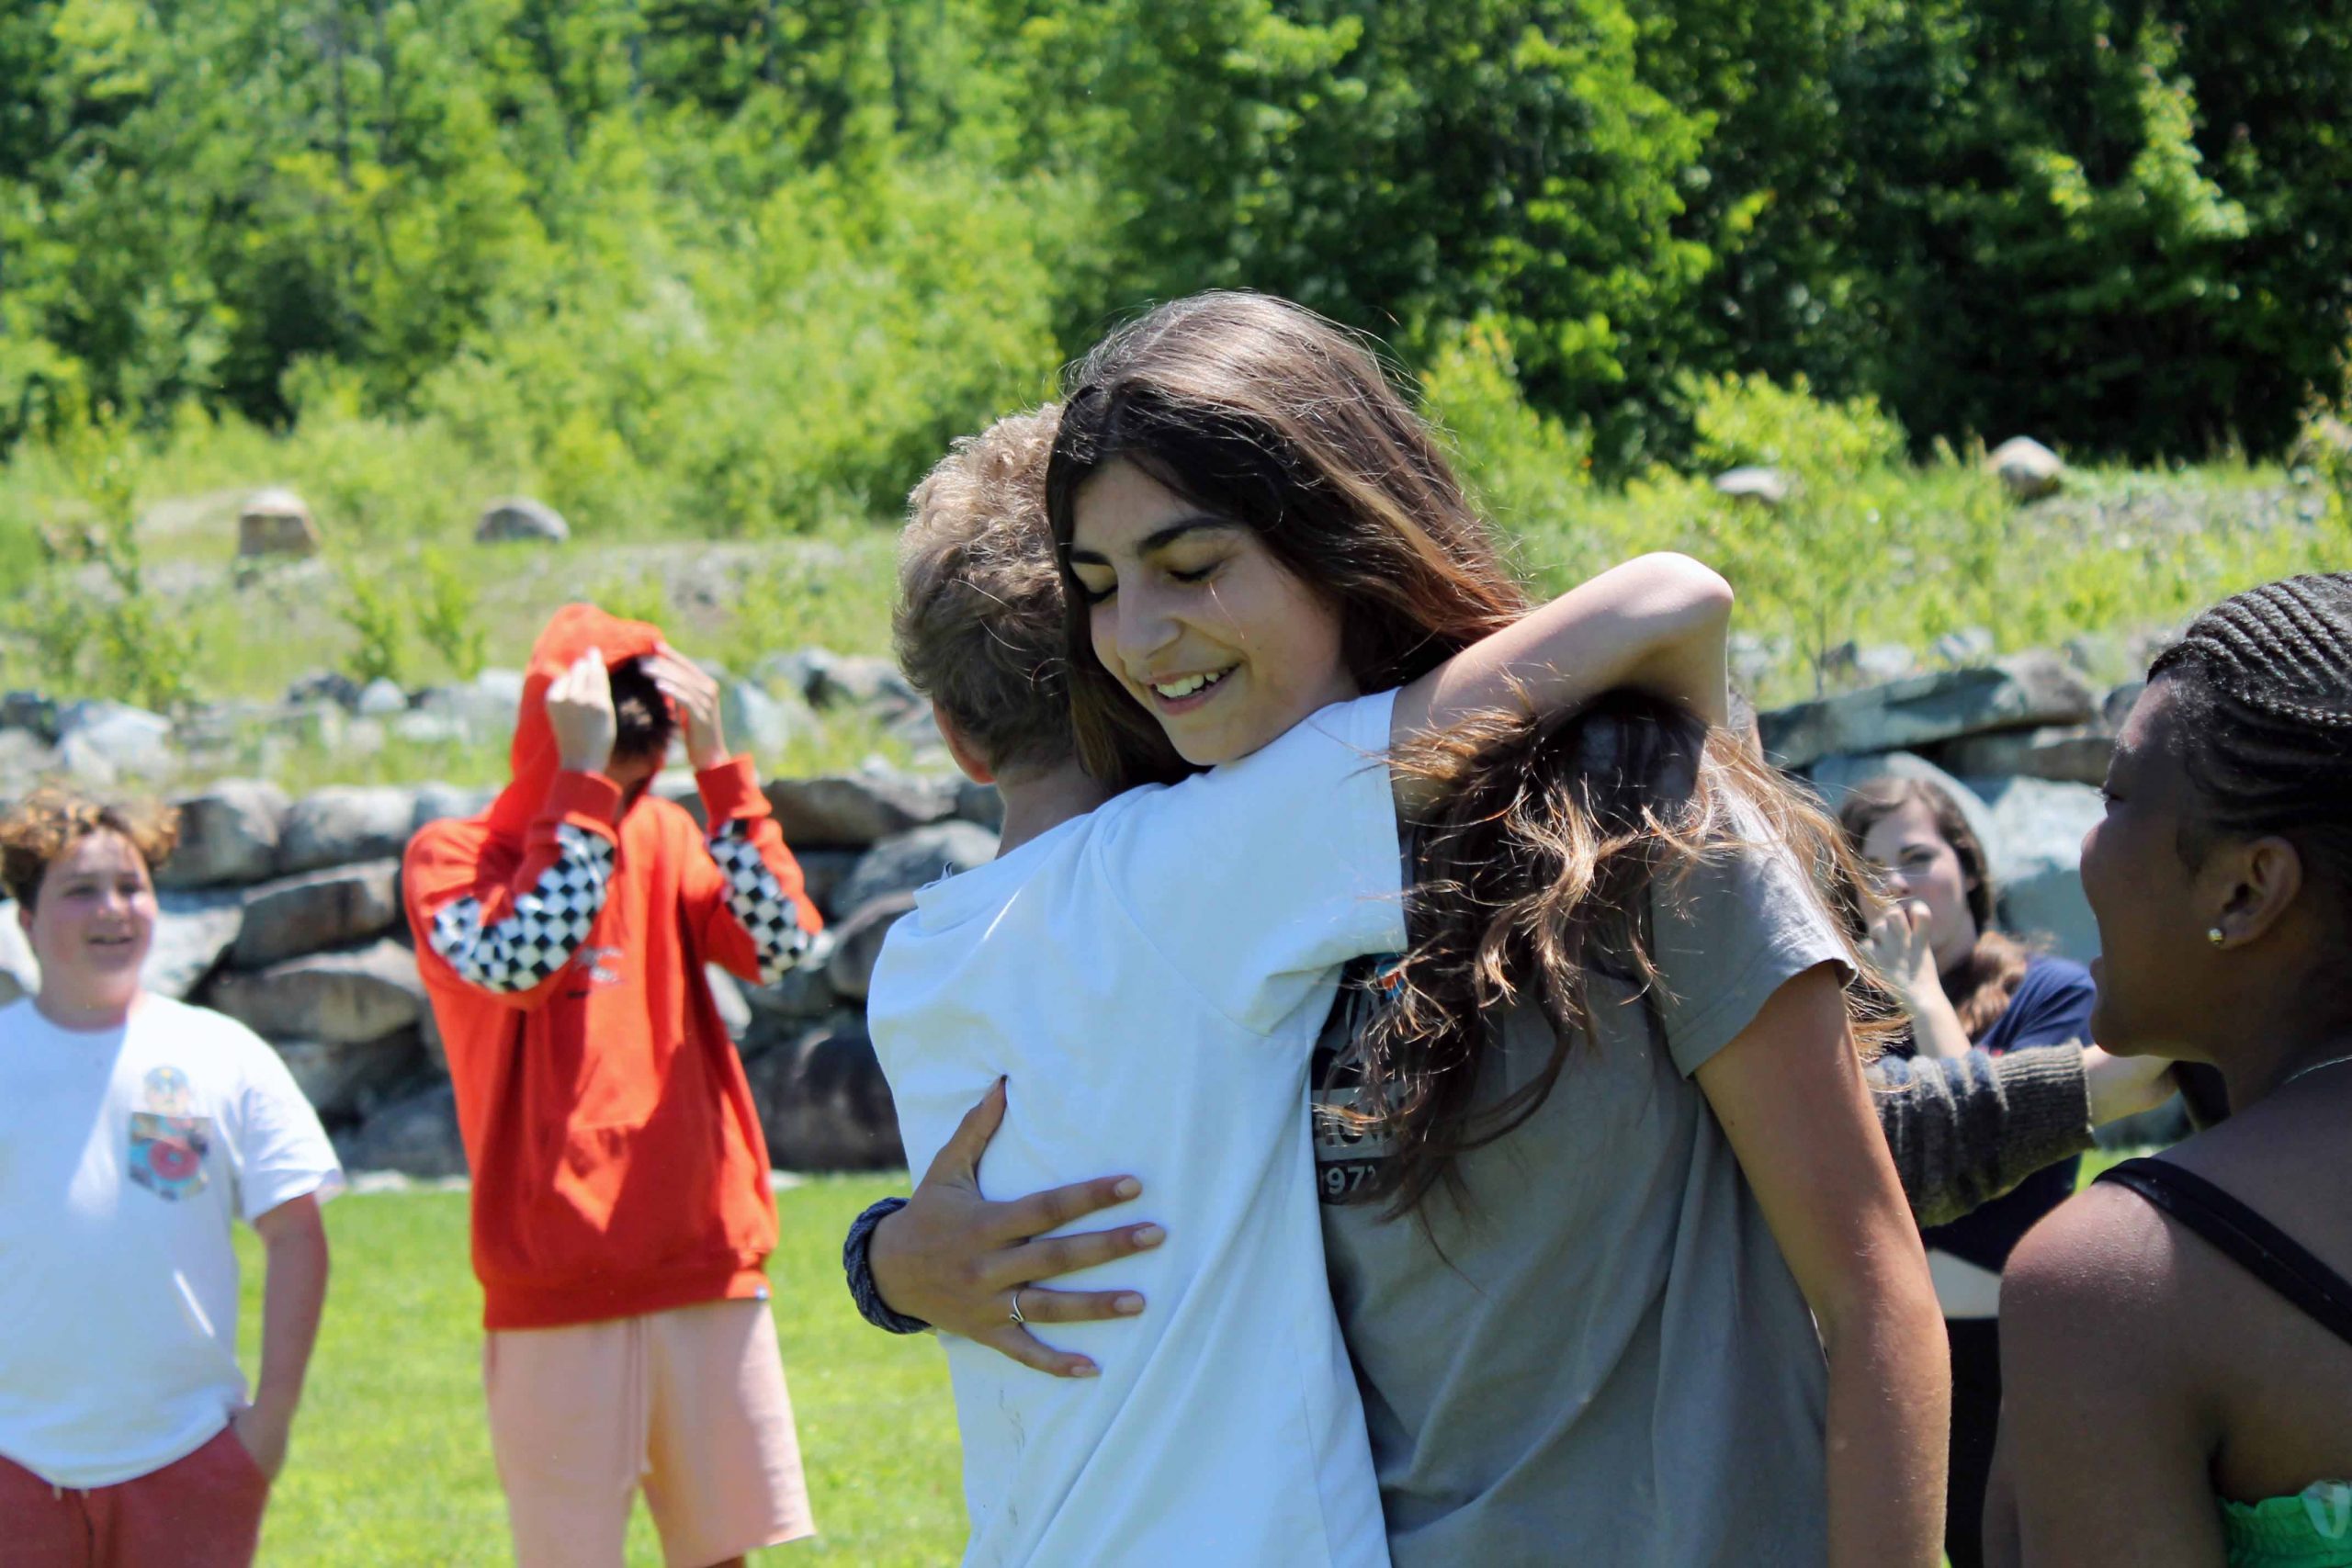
(857,943)
(320,909)
(344,997)
(1765,487)
(346,822)
(229,833)
(192,931)
(2068,753)
(416,1136)
(2027,469)
(916,857)
(349,1078)
(823,1101)
(2021,692)
(2036,859)
(840,812)
(520,517)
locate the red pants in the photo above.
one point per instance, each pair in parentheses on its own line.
(203,1511)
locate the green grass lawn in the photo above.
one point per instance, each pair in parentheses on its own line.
(390,1462)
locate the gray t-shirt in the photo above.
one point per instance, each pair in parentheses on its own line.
(1602,1359)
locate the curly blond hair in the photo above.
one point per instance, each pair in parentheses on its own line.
(49,822)
(977,626)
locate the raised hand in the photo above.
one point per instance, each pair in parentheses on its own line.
(1898,945)
(580,711)
(960,1262)
(685,683)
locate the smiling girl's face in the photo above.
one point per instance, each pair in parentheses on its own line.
(94,915)
(1196,619)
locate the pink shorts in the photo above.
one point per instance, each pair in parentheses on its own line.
(203,1511)
(689,1404)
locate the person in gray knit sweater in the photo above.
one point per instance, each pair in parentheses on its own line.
(1965,1129)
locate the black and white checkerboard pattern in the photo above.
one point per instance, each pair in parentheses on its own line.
(759,900)
(547,927)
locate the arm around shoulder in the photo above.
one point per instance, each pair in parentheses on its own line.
(1657,624)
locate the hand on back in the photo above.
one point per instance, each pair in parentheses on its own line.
(960,1262)
(580,711)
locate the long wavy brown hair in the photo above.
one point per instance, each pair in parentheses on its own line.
(1983,984)
(1539,861)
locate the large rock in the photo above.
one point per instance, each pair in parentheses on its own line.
(822,872)
(381,699)
(416,1136)
(857,943)
(349,1078)
(2071,754)
(482,708)
(764,724)
(192,931)
(2028,470)
(2017,692)
(823,1101)
(341,997)
(276,522)
(324,687)
(980,803)
(1765,487)
(520,517)
(229,833)
(29,710)
(1834,778)
(25,758)
(861,681)
(100,742)
(343,823)
(851,813)
(334,907)
(2037,858)
(904,861)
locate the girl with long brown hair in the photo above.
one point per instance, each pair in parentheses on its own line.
(1596,1150)
(1965,984)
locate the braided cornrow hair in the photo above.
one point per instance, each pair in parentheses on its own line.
(2264,680)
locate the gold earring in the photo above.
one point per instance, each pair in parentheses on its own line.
(2216,935)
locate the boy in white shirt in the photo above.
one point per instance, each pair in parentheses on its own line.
(135,1131)
(1149,973)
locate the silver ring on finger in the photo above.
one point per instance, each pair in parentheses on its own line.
(1017,1318)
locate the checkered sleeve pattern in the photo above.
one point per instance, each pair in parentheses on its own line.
(546,927)
(759,900)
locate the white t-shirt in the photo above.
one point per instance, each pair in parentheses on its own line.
(125,1155)
(1151,978)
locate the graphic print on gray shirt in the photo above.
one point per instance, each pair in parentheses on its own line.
(1601,1358)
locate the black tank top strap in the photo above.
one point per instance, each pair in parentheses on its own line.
(2252,1242)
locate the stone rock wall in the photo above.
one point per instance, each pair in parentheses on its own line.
(286,913)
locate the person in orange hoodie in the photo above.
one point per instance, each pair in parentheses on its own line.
(621,1210)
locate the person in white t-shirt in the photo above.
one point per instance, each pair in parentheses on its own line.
(1150,972)
(135,1131)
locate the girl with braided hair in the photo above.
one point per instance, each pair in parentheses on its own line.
(2177,1341)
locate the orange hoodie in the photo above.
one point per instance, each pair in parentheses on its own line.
(618,1163)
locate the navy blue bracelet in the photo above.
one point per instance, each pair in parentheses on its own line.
(858,1264)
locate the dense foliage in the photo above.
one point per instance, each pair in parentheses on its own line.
(753,262)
